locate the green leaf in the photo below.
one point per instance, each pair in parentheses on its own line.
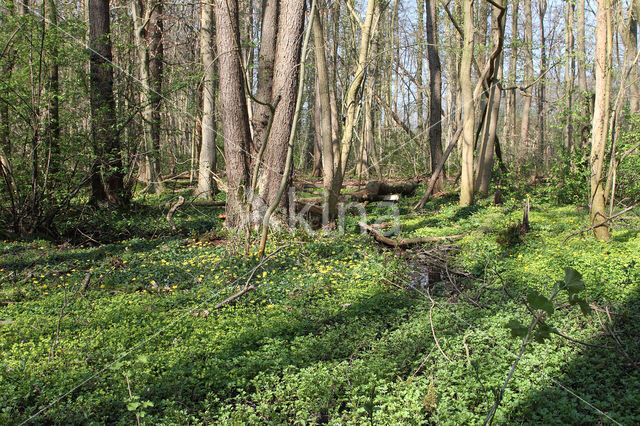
(133,406)
(573,281)
(542,333)
(559,285)
(571,276)
(538,301)
(584,306)
(517,329)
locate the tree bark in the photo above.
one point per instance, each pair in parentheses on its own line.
(511,95)
(435,91)
(107,178)
(148,37)
(286,69)
(490,125)
(322,81)
(540,164)
(354,93)
(234,115)
(569,74)
(528,73)
(266,58)
(600,120)
(53,126)
(583,101)
(206,188)
(466,182)
(631,45)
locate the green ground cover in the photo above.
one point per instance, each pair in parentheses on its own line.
(338,330)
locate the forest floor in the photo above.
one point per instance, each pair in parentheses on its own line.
(339,329)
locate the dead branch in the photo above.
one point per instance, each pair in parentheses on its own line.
(247,288)
(407,241)
(235,296)
(172,210)
(609,219)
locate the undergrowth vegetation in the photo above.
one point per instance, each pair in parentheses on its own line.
(337,330)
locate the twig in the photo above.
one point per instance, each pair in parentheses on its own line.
(609,219)
(433,331)
(131,398)
(235,296)
(466,348)
(422,363)
(580,342)
(513,369)
(247,288)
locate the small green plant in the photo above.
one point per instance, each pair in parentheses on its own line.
(134,403)
(541,309)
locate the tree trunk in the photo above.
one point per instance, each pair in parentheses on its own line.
(286,68)
(207,164)
(266,58)
(540,164)
(632,48)
(569,74)
(107,178)
(53,126)
(509,134)
(419,68)
(318,126)
(582,107)
(322,81)
(600,121)
(466,182)
(435,91)
(490,125)
(148,34)
(234,115)
(354,92)
(528,73)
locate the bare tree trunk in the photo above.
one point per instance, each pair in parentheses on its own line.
(318,126)
(528,72)
(540,164)
(107,179)
(631,45)
(354,92)
(466,182)
(582,109)
(286,70)
(490,125)
(324,100)
(511,95)
(53,127)
(569,74)
(600,119)
(207,164)
(266,58)
(435,92)
(234,115)
(146,28)
(419,68)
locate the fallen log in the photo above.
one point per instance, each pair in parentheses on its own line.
(387,188)
(385,191)
(363,196)
(407,241)
(208,203)
(308,208)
